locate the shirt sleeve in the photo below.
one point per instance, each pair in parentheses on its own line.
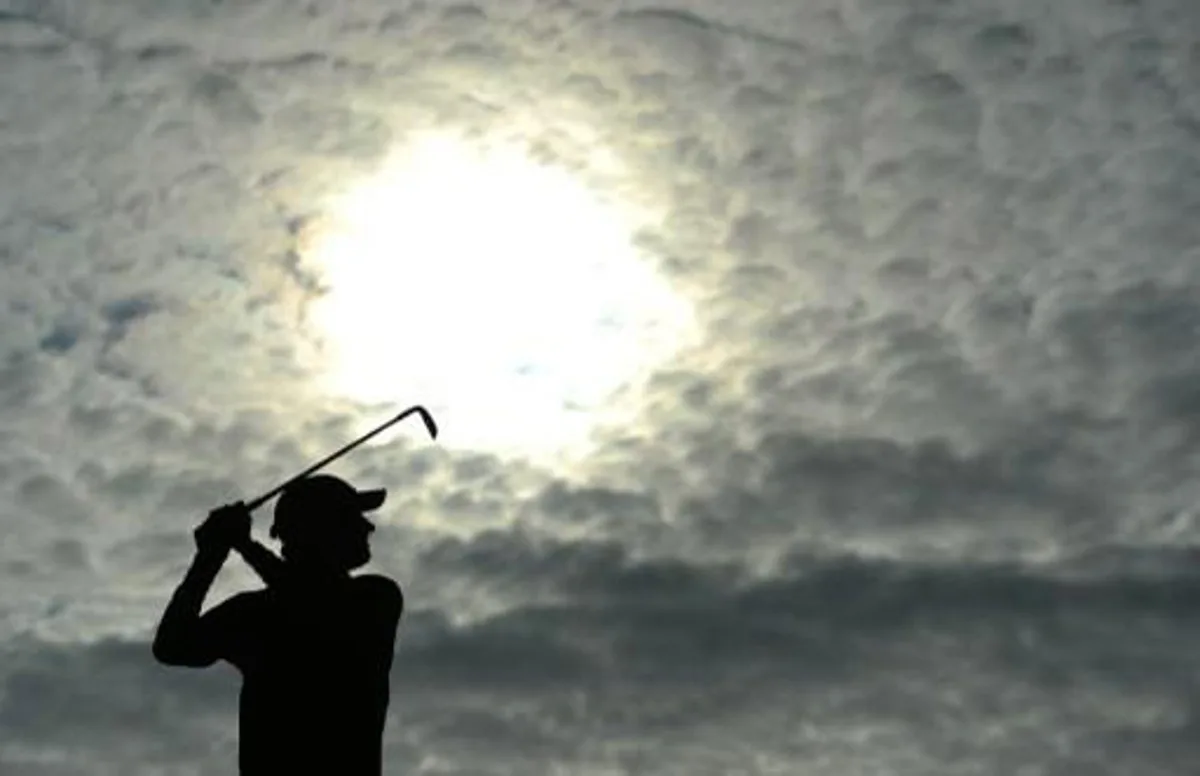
(384,594)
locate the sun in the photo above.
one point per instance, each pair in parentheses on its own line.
(502,292)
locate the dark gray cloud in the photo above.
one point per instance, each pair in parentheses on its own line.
(639,664)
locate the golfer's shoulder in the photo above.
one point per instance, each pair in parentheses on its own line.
(379,589)
(252,601)
(240,606)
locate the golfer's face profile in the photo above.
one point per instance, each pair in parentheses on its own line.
(347,540)
(358,532)
(338,538)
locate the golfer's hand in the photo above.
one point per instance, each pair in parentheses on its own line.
(224,529)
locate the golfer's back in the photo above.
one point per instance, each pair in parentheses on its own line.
(315,660)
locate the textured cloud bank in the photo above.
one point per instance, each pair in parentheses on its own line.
(670,667)
(920,502)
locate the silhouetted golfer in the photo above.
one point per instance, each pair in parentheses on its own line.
(314,648)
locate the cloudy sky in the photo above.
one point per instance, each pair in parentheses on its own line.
(818,380)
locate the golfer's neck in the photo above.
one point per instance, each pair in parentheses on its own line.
(317,572)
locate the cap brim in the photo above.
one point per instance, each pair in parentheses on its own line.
(371,499)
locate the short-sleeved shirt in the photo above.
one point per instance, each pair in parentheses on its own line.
(315,663)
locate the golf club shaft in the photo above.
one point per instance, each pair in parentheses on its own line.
(426,418)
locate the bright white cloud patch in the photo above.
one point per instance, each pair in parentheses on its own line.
(502,291)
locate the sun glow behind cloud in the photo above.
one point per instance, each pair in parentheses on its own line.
(501,292)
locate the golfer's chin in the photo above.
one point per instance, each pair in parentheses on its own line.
(359,559)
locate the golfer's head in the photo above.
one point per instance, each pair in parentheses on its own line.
(323,518)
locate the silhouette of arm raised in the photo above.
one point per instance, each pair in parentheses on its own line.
(182,639)
(269,566)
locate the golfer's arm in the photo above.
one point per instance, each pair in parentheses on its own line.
(180,640)
(265,563)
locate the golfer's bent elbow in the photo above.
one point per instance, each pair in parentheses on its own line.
(181,636)
(180,646)
(165,652)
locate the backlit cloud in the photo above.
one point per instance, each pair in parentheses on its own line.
(917,497)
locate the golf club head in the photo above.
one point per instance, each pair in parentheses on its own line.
(427,419)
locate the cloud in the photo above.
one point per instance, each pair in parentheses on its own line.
(640,660)
(946,662)
(64,706)
(919,500)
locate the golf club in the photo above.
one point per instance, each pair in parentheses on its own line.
(417,410)
(264,562)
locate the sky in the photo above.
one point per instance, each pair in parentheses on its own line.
(847,424)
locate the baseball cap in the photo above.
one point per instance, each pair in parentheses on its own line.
(319,496)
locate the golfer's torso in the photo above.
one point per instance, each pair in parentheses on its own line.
(315,687)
